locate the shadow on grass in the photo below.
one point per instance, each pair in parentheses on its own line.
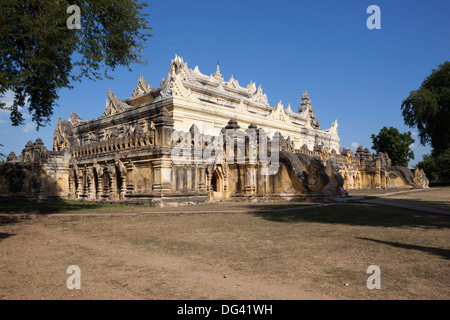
(372,192)
(6,235)
(418,202)
(47,207)
(358,214)
(437,251)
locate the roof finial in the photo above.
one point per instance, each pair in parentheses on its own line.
(305,95)
(305,99)
(218,67)
(218,75)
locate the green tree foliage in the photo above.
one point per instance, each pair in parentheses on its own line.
(437,168)
(443,165)
(395,144)
(2,156)
(428,164)
(39,54)
(428,109)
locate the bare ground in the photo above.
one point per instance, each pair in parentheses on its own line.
(317,253)
(34,264)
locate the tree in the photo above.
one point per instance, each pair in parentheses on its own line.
(437,168)
(395,144)
(2,156)
(443,165)
(39,54)
(428,164)
(428,109)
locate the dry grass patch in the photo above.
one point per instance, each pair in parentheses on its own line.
(433,197)
(373,192)
(71,206)
(314,253)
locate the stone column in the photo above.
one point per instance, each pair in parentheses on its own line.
(112,181)
(162,174)
(99,170)
(196,181)
(85,183)
(100,188)
(250,180)
(208,179)
(79,192)
(90,183)
(123,189)
(112,187)
(226,187)
(359,180)
(383,180)
(351,182)
(264,178)
(377,178)
(130,182)
(188,177)
(201,178)
(106,192)
(42,185)
(71,183)
(163,128)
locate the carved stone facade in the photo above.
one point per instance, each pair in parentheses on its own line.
(131,152)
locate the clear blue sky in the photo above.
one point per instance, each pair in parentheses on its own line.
(353,74)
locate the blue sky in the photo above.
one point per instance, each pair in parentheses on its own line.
(353,74)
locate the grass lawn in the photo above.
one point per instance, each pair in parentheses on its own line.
(70,206)
(313,253)
(372,192)
(433,197)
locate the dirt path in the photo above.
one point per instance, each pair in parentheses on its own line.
(34,262)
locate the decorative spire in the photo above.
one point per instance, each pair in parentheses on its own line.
(75,119)
(288,109)
(113,104)
(142,87)
(280,105)
(305,99)
(218,75)
(232,124)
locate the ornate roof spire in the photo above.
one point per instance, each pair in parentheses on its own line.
(142,87)
(305,99)
(218,75)
(114,104)
(288,109)
(75,119)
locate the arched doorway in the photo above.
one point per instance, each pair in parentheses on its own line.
(217,183)
(118,184)
(214,183)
